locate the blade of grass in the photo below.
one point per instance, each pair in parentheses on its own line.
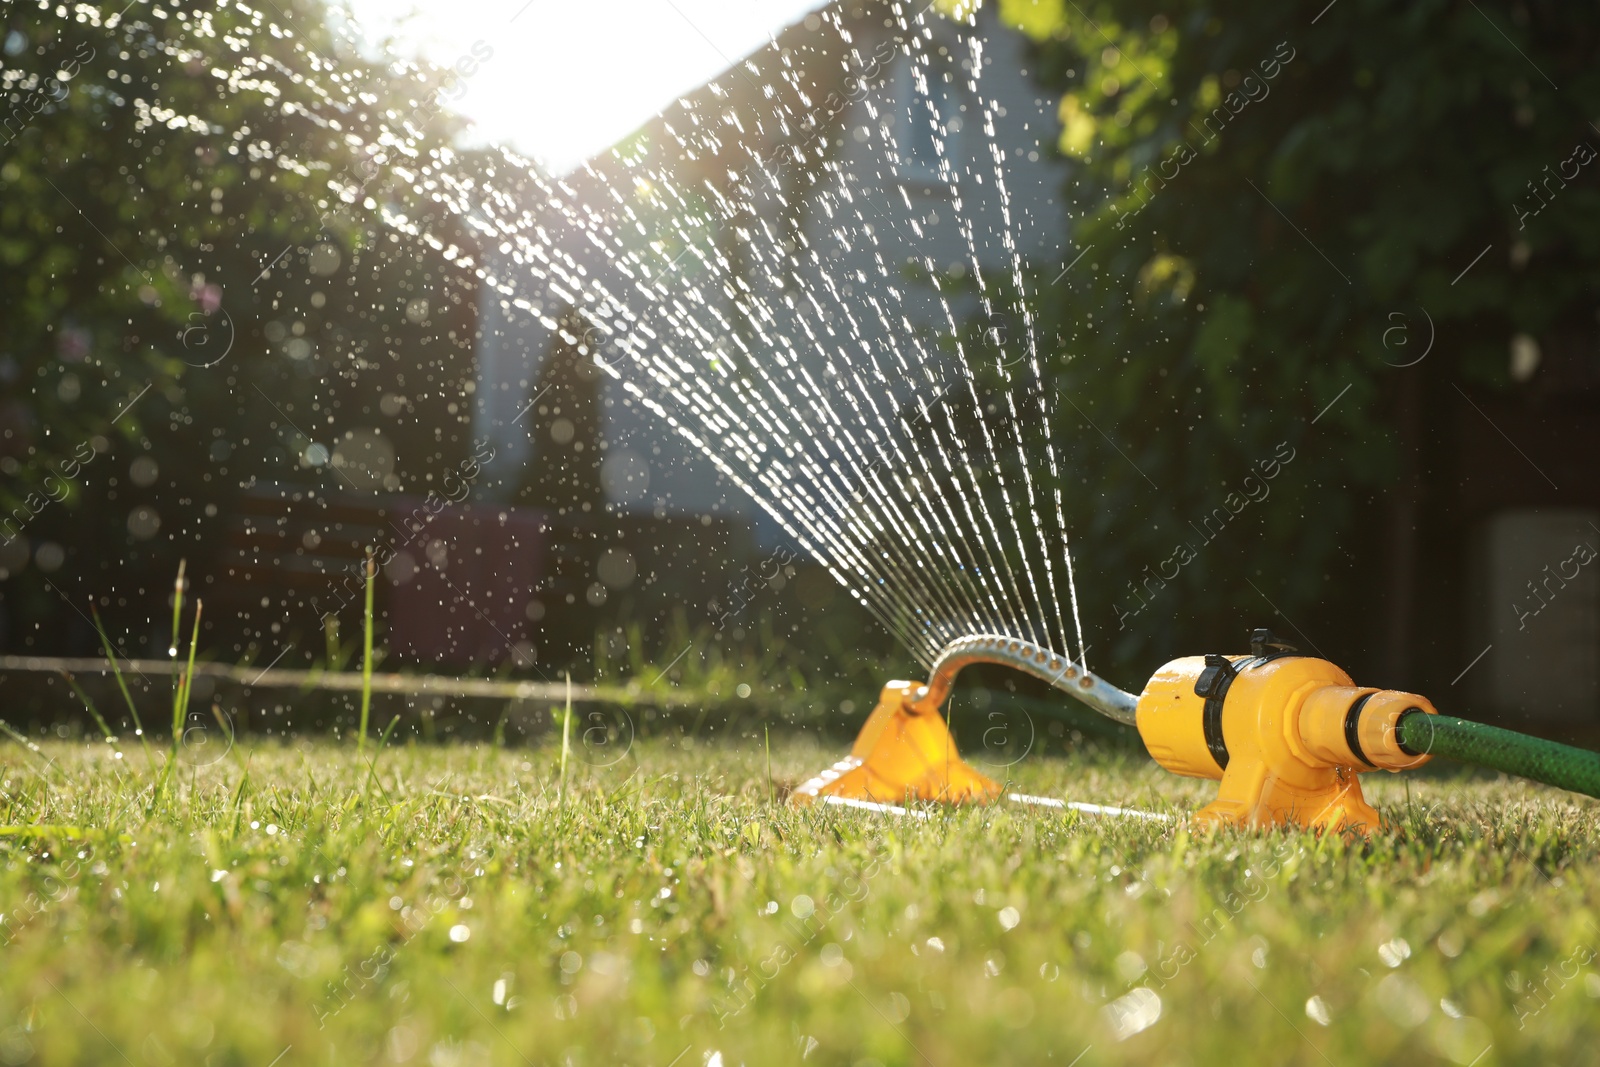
(177,616)
(33,749)
(223,724)
(116,671)
(177,608)
(566,733)
(366,658)
(25,832)
(105,730)
(180,709)
(372,765)
(238,801)
(21,738)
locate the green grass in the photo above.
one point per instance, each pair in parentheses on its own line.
(459,909)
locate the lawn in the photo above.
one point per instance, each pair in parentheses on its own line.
(286,905)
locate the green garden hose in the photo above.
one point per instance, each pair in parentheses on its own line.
(1474,743)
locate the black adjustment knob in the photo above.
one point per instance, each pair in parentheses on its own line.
(1263,642)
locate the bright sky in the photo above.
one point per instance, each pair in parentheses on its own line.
(568,78)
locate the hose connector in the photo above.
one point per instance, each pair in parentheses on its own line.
(1350,726)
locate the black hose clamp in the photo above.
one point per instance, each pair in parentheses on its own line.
(1213,685)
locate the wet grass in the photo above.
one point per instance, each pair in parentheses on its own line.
(450,905)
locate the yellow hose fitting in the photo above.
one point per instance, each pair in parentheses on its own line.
(1355,727)
(1285,734)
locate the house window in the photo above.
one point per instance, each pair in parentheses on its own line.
(929,121)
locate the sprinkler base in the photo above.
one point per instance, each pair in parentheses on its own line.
(902,753)
(1252,797)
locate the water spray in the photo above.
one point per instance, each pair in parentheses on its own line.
(1286,735)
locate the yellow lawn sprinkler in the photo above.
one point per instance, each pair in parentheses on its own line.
(1285,734)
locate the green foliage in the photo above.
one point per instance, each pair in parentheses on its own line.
(186,195)
(1256,196)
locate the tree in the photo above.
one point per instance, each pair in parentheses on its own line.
(188,195)
(1279,211)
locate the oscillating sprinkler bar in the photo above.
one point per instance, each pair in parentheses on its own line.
(1029,658)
